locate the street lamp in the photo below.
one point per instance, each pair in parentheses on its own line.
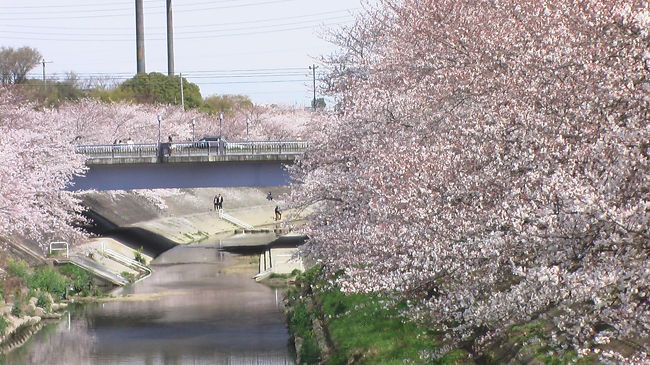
(247,123)
(159,120)
(193,124)
(220,125)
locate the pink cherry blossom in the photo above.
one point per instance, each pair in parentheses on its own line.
(492,159)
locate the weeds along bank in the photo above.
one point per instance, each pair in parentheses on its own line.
(30,295)
(332,327)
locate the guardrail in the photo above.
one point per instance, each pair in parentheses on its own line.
(60,246)
(198,148)
(118,150)
(116,256)
(233,220)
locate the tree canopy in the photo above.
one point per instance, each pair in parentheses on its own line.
(16,63)
(226,104)
(155,88)
(491,160)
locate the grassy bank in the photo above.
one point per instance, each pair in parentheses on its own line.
(332,327)
(29,294)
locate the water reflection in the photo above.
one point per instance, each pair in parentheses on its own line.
(196,312)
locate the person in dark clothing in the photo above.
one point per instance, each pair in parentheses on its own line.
(278,213)
(219,202)
(269,196)
(215,202)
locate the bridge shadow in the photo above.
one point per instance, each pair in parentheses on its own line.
(280,242)
(152,244)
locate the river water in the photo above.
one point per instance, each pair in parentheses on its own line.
(200,306)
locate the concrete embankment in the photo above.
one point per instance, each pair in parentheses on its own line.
(147,223)
(140,225)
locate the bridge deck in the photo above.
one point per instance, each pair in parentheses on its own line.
(192,152)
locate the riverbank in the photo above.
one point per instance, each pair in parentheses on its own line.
(199,306)
(170,218)
(331,327)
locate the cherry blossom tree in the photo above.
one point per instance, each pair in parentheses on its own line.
(491,158)
(38,162)
(95,122)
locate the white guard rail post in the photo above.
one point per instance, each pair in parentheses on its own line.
(60,246)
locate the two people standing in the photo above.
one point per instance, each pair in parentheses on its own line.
(218,202)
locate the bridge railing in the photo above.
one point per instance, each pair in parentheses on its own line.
(118,150)
(265,147)
(200,148)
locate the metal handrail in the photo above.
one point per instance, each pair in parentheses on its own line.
(198,148)
(54,246)
(118,150)
(126,260)
(233,220)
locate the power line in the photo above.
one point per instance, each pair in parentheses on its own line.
(163,39)
(127,13)
(271,26)
(195,26)
(76,6)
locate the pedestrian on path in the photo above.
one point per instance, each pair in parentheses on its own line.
(215,202)
(278,213)
(219,202)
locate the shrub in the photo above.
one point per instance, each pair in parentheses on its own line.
(138,256)
(80,279)
(3,325)
(128,276)
(18,268)
(44,301)
(49,280)
(17,309)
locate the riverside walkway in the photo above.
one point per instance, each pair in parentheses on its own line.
(191,152)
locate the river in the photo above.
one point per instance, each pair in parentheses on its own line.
(200,306)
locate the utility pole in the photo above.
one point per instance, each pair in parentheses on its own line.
(182,93)
(44,62)
(170,40)
(139,36)
(313,68)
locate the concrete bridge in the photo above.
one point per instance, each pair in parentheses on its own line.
(187,165)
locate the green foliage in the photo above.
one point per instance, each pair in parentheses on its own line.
(16,310)
(299,321)
(49,280)
(364,328)
(372,326)
(53,93)
(155,88)
(18,268)
(139,257)
(43,301)
(80,280)
(3,325)
(19,303)
(128,276)
(226,104)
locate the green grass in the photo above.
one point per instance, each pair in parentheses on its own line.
(363,328)
(370,328)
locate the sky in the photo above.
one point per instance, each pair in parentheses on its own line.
(259,48)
